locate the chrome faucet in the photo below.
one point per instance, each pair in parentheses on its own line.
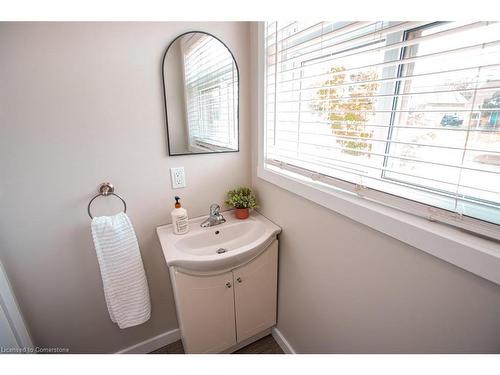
(214,218)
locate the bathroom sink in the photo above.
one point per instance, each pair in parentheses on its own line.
(220,247)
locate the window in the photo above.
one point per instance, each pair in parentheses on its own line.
(211,94)
(403,113)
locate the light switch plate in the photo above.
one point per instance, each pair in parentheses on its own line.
(178,177)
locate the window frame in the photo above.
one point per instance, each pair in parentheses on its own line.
(458,240)
(395,106)
(433,203)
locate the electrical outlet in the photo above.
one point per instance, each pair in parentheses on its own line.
(178,177)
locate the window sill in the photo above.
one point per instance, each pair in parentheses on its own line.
(462,249)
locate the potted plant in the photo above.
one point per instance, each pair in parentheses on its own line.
(242,199)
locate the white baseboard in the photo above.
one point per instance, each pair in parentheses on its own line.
(153,343)
(282,342)
(169,337)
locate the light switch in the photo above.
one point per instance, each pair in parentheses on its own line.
(178,177)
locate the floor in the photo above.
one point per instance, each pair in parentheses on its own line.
(266,345)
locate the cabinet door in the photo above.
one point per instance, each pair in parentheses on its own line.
(255,292)
(205,306)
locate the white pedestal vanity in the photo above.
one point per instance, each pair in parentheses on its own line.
(224,279)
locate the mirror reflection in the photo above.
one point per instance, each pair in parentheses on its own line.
(200,80)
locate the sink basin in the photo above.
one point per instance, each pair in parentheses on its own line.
(218,248)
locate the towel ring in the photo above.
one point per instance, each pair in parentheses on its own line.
(106,189)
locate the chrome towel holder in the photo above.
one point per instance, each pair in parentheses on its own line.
(106,189)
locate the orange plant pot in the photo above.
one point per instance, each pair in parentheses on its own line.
(242,213)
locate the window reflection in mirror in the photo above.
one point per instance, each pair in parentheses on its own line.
(200,78)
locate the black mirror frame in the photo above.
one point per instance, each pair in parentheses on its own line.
(164,86)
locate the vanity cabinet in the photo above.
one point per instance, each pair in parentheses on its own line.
(205,309)
(217,312)
(255,294)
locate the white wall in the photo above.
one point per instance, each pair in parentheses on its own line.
(345,288)
(82,103)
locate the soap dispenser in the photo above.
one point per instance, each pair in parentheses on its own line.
(179,218)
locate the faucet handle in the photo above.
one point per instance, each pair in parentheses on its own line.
(214,209)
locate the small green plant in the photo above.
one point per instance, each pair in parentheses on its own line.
(241,197)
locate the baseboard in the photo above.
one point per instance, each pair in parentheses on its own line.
(153,343)
(282,342)
(169,337)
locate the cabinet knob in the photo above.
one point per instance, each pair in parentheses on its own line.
(239,280)
(228,284)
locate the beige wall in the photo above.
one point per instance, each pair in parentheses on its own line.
(81,103)
(345,288)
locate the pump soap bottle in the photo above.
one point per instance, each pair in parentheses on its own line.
(179,218)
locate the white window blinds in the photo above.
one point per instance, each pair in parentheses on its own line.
(405,113)
(211,80)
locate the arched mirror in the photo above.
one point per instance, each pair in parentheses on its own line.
(201,87)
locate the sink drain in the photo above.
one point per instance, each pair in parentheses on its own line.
(221,251)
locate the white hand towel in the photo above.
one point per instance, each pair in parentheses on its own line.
(123,278)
